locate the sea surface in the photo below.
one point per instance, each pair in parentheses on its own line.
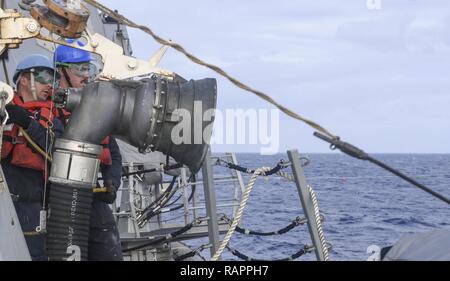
(363,205)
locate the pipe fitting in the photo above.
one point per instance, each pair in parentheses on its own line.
(76,163)
(144,114)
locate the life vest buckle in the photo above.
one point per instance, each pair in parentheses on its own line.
(15,141)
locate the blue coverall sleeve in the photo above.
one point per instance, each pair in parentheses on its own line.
(38,133)
(114,171)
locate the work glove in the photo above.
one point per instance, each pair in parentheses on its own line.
(109,195)
(18,115)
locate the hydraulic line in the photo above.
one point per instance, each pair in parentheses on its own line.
(166,168)
(166,238)
(157,210)
(162,196)
(163,207)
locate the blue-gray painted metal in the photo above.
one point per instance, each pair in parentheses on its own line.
(12,242)
(210,202)
(307,204)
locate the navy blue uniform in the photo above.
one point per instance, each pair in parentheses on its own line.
(104,241)
(27,189)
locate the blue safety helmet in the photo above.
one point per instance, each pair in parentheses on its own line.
(30,62)
(66,54)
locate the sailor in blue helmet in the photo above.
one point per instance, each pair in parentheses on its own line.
(25,168)
(74,66)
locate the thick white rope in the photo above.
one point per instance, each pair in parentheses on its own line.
(317,215)
(318,219)
(237,218)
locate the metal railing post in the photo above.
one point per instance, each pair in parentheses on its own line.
(307,204)
(210,203)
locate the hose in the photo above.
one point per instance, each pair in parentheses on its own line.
(68,223)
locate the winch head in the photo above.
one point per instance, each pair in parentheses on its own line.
(67,18)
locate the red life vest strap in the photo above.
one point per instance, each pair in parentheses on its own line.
(105,157)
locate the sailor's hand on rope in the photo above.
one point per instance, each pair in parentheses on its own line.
(18,115)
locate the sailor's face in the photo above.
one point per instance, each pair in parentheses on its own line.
(78,81)
(43,91)
(44,83)
(78,74)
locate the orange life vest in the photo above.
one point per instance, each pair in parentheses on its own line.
(14,143)
(105,158)
(62,114)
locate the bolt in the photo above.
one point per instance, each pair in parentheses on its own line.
(32,27)
(132,64)
(94,44)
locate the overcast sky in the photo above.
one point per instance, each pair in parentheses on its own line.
(377,78)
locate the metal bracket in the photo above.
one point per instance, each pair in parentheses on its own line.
(65,18)
(115,64)
(14,29)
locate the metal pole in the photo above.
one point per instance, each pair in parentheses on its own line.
(306,201)
(184,185)
(131,201)
(210,203)
(240,183)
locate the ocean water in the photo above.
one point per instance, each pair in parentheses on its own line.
(363,204)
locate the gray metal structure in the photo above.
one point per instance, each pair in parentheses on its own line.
(137,192)
(307,203)
(134,192)
(210,202)
(144,115)
(12,242)
(97,23)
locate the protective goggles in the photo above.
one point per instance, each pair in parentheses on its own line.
(81,69)
(45,76)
